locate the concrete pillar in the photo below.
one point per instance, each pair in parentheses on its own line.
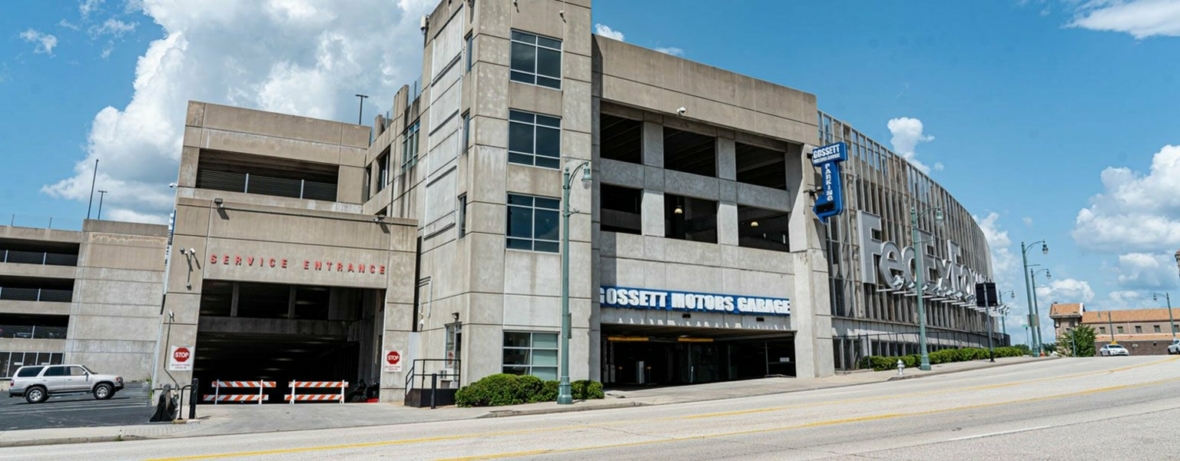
(727,223)
(653,213)
(811,307)
(653,144)
(726,159)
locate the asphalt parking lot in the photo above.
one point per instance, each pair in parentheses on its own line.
(129,406)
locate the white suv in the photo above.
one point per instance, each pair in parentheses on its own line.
(1174,348)
(37,383)
(1113,349)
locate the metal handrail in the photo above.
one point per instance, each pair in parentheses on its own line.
(36,294)
(455,374)
(43,258)
(43,222)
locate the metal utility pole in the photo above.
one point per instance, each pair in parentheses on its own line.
(360,116)
(92,179)
(564,393)
(101,195)
(1034,317)
(1171,320)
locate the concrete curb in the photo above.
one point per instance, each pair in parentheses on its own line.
(561,409)
(504,413)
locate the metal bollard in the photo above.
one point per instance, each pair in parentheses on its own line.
(192,399)
(433,388)
(900,368)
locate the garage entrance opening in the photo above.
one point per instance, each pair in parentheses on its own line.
(272,332)
(676,355)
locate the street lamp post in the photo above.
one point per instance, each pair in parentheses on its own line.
(1171,320)
(564,393)
(919,257)
(1036,305)
(1034,317)
(1109,323)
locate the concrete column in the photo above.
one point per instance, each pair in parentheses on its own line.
(811,307)
(805,231)
(726,159)
(653,144)
(727,223)
(653,213)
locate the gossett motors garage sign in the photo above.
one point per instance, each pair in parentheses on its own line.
(642,298)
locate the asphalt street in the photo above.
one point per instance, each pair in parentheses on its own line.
(129,406)
(1096,408)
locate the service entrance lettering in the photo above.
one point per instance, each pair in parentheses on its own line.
(264,262)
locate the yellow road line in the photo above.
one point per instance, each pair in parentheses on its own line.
(832,422)
(637,421)
(924,393)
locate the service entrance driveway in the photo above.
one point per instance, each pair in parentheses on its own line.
(129,406)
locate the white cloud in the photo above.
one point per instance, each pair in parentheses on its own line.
(1064,291)
(907,134)
(68,25)
(1147,271)
(606,31)
(45,42)
(938,166)
(88,6)
(1134,213)
(671,50)
(306,57)
(1003,260)
(1027,221)
(112,27)
(1139,18)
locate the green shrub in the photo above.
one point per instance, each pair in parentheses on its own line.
(586,390)
(965,354)
(508,389)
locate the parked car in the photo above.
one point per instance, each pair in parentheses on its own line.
(1113,349)
(1174,348)
(37,383)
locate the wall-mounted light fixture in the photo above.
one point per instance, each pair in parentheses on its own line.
(219,202)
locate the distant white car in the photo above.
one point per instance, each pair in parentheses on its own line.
(1174,348)
(1113,349)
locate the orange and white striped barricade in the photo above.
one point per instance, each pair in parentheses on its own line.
(240,398)
(317,397)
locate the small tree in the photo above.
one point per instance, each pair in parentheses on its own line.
(1082,338)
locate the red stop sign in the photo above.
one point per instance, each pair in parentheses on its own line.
(393,358)
(181,354)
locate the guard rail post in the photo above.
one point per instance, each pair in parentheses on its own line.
(433,388)
(192,399)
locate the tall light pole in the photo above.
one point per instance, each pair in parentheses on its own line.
(1004,323)
(1171,320)
(1034,317)
(1036,304)
(360,116)
(1109,323)
(564,393)
(919,257)
(101,195)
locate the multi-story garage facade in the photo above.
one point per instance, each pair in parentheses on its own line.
(313,249)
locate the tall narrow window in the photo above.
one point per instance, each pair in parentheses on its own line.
(466,130)
(534,139)
(410,147)
(462,215)
(470,51)
(536,60)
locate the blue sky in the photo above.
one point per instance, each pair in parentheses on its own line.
(1047,119)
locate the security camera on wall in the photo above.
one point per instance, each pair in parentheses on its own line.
(681,111)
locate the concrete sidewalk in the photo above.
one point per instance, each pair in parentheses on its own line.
(250,419)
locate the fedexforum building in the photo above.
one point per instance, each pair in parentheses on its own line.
(317,250)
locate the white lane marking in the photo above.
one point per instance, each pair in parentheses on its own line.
(55,410)
(993,434)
